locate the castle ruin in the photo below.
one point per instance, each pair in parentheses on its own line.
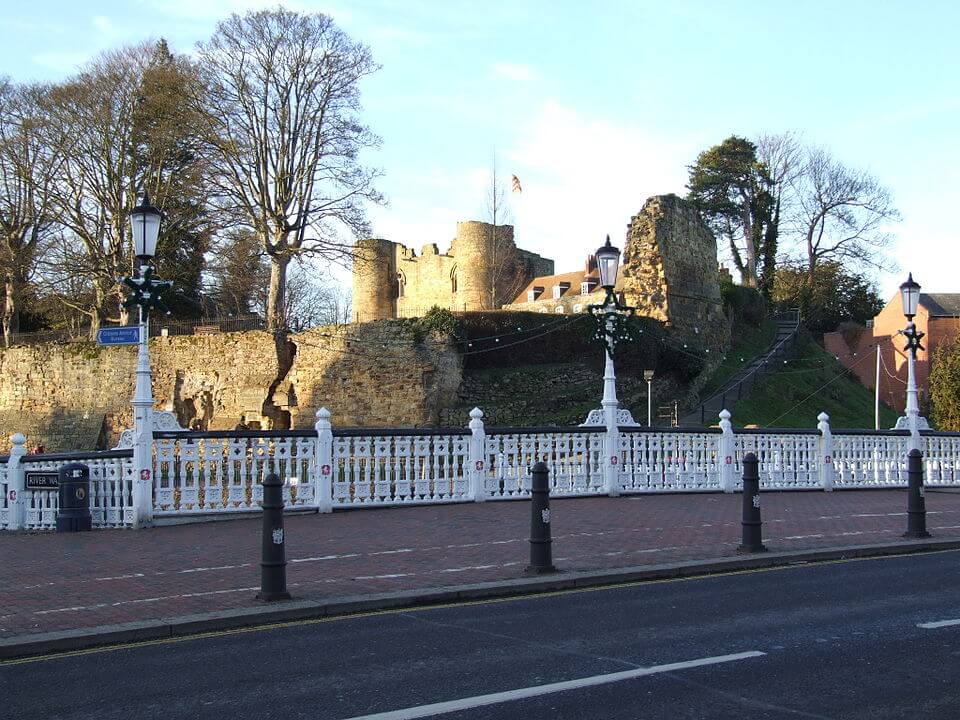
(482,270)
(668,272)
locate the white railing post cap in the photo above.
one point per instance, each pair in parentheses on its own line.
(725,414)
(18,439)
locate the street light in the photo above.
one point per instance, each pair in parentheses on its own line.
(611,328)
(911,420)
(144,293)
(648,376)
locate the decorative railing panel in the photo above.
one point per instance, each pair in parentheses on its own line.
(942,455)
(111,488)
(787,461)
(4,490)
(574,460)
(222,472)
(870,459)
(655,461)
(400,468)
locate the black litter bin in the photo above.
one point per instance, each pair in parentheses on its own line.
(74,512)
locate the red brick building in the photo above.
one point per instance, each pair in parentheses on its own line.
(938,315)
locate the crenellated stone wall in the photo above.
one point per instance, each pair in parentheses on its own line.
(77,396)
(482,269)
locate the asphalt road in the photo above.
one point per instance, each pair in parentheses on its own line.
(860,639)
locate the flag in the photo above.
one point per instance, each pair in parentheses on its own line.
(515,183)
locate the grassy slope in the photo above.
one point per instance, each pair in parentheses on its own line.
(811,382)
(748,342)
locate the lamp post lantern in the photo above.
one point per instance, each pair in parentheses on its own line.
(911,420)
(611,328)
(144,293)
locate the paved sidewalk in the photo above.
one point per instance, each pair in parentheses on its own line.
(62,582)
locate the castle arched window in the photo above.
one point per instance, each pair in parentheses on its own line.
(401,281)
(453,280)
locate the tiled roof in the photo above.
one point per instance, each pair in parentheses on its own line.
(941,304)
(548,282)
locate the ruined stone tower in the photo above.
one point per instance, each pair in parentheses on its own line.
(670,270)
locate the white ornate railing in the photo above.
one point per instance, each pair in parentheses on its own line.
(664,461)
(205,473)
(399,467)
(574,457)
(786,461)
(110,489)
(4,494)
(221,472)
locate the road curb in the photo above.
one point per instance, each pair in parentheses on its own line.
(25,646)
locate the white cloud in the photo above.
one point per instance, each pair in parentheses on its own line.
(516,71)
(584,177)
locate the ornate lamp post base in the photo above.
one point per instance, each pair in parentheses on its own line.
(903,423)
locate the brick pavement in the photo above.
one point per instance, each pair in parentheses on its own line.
(69,581)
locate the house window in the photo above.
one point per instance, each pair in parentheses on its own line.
(534,293)
(578,308)
(559,289)
(543,309)
(559,310)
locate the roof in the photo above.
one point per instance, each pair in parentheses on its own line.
(548,282)
(941,304)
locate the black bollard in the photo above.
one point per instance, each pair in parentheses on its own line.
(752,524)
(916,505)
(541,553)
(273,563)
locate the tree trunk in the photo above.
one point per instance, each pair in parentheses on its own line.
(277,299)
(96,312)
(11,313)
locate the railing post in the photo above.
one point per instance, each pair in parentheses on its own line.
(16,502)
(477,470)
(826,452)
(727,481)
(323,466)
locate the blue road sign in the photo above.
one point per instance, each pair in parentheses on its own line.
(127,335)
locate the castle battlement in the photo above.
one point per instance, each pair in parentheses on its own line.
(482,270)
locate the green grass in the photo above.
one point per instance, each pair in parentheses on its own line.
(810,382)
(747,343)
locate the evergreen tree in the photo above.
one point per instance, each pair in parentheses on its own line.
(945,386)
(168,148)
(732,191)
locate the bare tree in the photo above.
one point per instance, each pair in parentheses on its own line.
(119,135)
(506,272)
(842,214)
(28,169)
(283,105)
(780,156)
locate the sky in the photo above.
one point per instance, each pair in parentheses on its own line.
(595,107)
